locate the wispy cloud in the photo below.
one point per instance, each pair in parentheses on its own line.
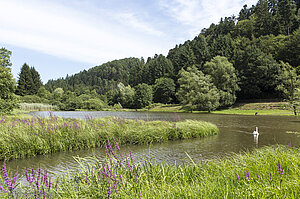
(199,14)
(132,20)
(55,29)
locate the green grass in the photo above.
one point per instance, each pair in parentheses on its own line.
(252,112)
(269,172)
(213,179)
(29,136)
(271,108)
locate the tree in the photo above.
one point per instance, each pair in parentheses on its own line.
(157,67)
(125,95)
(197,90)
(25,82)
(143,95)
(224,78)
(36,81)
(7,83)
(287,13)
(43,93)
(263,19)
(181,56)
(200,49)
(163,90)
(258,74)
(289,85)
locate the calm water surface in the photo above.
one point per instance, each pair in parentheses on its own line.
(235,136)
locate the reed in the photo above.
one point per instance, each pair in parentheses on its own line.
(23,137)
(37,107)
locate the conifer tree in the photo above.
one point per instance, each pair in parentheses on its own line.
(25,82)
(36,81)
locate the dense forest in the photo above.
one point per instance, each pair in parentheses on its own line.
(255,55)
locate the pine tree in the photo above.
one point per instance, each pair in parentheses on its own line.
(25,82)
(36,80)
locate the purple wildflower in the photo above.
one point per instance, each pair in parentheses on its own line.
(247,175)
(238,177)
(271,176)
(109,192)
(257,176)
(2,189)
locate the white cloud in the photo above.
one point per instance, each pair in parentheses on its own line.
(58,30)
(133,21)
(199,14)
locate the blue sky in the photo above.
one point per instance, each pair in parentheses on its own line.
(60,37)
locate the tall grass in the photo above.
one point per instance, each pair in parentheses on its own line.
(22,137)
(37,107)
(265,173)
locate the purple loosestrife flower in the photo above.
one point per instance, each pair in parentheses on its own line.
(116,144)
(238,177)
(271,176)
(109,192)
(128,164)
(247,175)
(2,189)
(130,154)
(257,177)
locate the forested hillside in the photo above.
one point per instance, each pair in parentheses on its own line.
(255,55)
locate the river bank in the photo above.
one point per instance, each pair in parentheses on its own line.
(265,108)
(269,172)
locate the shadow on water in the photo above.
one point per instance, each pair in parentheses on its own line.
(235,136)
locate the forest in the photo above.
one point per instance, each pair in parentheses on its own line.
(255,55)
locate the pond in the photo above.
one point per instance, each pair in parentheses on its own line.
(235,136)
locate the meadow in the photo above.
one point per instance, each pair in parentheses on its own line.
(22,137)
(269,172)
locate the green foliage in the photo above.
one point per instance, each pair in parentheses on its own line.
(157,67)
(5,58)
(125,95)
(33,99)
(43,93)
(182,56)
(143,95)
(29,81)
(164,90)
(197,90)
(258,73)
(224,78)
(7,84)
(289,85)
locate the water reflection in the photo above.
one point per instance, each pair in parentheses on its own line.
(255,136)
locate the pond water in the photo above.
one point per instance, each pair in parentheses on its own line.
(235,136)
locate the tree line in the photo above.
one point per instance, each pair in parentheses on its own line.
(255,55)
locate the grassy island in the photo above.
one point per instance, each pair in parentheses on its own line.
(30,136)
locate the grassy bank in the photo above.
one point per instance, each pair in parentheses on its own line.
(30,136)
(268,108)
(270,172)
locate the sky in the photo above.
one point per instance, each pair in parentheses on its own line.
(60,37)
